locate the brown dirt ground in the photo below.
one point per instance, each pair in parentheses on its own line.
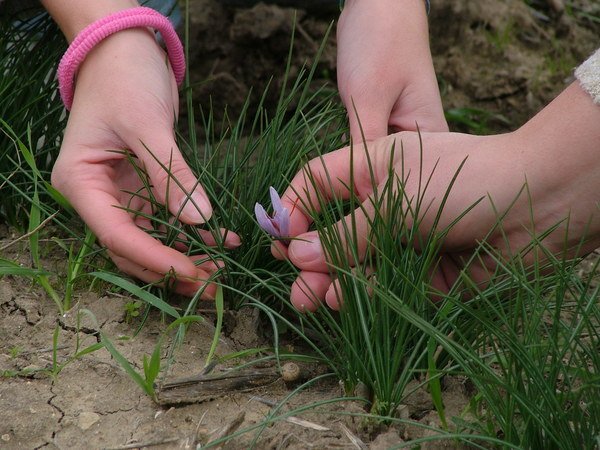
(502,57)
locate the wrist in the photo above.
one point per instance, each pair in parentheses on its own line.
(72,17)
(98,31)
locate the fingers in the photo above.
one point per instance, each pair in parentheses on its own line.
(116,230)
(309,290)
(316,184)
(334,297)
(211,238)
(326,179)
(419,107)
(347,240)
(229,239)
(174,183)
(368,119)
(336,175)
(416,110)
(134,251)
(181,285)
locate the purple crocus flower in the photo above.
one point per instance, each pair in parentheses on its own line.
(277,225)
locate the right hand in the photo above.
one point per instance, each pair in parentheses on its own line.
(385,70)
(524,177)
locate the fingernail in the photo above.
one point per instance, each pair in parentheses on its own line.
(306,249)
(197,208)
(332,300)
(233,241)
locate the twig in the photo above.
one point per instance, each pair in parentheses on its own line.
(29,233)
(199,388)
(143,444)
(228,429)
(356,441)
(306,424)
(42,350)
(292,419)
(307,37)
(264,401)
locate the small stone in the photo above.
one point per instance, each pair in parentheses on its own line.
(5,437)
(87,419)
(386,440)
(402,412)
(290,372)
(362,390)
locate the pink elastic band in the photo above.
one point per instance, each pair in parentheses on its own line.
(91,35)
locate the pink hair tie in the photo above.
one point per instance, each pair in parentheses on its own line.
(91,35)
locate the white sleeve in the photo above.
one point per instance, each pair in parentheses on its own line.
(588,75)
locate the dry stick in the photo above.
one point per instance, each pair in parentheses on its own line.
(307,37)
(43,350)
(292,419)
(199,388)
(227,429)
(284,441)
(143,444)
(7,179)
(29,233)
(356,441)
(306,424)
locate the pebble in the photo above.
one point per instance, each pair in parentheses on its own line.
(87,419)
(290,372)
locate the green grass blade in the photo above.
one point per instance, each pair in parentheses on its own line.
(137,291)
(220,309)
(124,363)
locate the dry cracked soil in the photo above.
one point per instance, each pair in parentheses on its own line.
(505,58)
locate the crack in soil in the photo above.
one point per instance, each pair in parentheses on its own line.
(76,330)
(61,414)
(9,307)
(12,307)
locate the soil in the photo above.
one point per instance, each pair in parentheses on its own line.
(504,58)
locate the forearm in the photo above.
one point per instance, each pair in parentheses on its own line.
(565,136)
(72,16)
(396,30)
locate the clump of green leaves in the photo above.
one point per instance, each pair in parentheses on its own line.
(30,109)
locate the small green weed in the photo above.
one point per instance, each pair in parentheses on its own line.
(15,351)
(30,105)
(133,310)
(503,37)
(474,120)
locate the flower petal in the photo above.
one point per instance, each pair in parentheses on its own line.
(283,222)
(275,201)
(264,221)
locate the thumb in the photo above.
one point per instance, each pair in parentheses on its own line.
(419,108)
(350,241)
(172,179)
(368,119)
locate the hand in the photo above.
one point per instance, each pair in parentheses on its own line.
(496,168)
(126,100)
(385,71)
